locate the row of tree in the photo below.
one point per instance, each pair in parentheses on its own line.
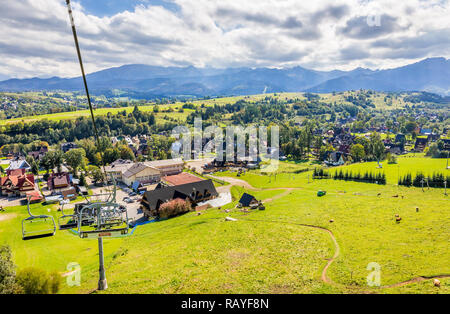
(437,180)
(367,177)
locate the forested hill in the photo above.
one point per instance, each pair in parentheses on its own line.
(144,81)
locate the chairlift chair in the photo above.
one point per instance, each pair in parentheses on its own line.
(108,219)
(66,222)
(28,233)
(105,218)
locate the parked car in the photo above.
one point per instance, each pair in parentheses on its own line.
(128,200)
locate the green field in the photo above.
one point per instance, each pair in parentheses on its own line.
(377,99)
(279,250)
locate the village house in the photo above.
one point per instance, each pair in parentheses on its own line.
(34,196)
(17,185)
(69,193)
(65,147)
(56,182)
(248,200)
(335,159)
(421,143)
(37,155)
(18,164)
(194,193)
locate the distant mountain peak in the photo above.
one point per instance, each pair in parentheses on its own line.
(149,81)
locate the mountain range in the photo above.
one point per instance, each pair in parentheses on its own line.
(145,81)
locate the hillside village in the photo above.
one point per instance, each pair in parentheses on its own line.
(322,155)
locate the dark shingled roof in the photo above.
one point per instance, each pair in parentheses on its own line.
(247,199)
(196,192)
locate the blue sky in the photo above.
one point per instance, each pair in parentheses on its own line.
(103,8)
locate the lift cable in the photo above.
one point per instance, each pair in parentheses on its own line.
(75,37)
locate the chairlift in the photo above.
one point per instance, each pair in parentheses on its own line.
(66,222)
(31,226)
(102,219)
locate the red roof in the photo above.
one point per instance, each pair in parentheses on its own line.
(18,181)
(17,172)
(182,178)
(34,196)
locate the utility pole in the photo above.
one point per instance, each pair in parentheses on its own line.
(102,283)
(448,152)
(423,181)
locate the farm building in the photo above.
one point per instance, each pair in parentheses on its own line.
(192,192)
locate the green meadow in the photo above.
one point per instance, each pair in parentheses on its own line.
(283,249)
(377,99)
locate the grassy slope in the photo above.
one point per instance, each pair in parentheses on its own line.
(52,253)
(329,98)
(205,254)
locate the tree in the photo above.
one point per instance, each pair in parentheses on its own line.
(96,174)
(377,146)
(7,272)
(110,155)
(37,281)
(433,150)
(83,179)
(410,126)
(126,153)
(89,147)
(357,152)
(75,159)
(46,162)
(34,168)
(57,159)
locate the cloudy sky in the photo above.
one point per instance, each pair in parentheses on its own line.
(36,39)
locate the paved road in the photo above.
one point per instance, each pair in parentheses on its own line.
(132,208)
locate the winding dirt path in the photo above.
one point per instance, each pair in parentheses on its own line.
(414,280)
(324,277)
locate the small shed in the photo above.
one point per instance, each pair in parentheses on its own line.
(248,200)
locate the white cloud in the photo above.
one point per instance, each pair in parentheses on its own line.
(36,40)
